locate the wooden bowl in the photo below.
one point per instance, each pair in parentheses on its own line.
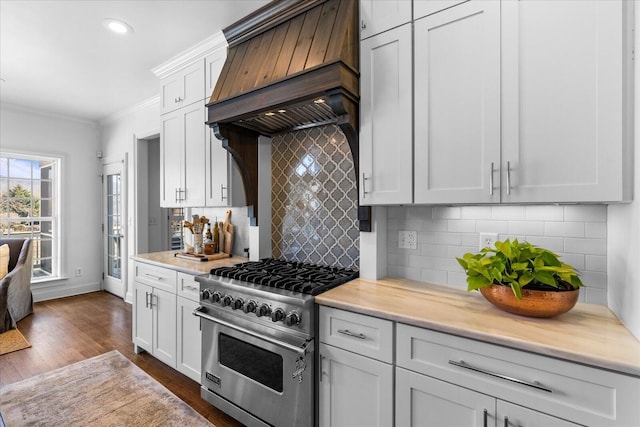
(534,303)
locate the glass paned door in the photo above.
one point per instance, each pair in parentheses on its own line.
(114,227)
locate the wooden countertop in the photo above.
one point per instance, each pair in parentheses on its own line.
(589,334)
(168,259)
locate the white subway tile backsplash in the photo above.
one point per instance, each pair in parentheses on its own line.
(554,244)
(475,212)
(462,225)
(595,295)
(596,263)
(586,246)
(508,212)
(491,226)
(535,228)
(564,229)
(577,233)
(433,276)
(447,212)
(544,213)
(585,213)
(596,230)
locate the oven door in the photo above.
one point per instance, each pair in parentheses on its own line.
(257,369)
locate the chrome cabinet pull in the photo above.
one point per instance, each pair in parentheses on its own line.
(222,196)
(158,278)
(491,180)
(152,304)
(535,384)
(362,24)
(191,288)
(146,299)
(508,177)
(364,186)
(485,415)
(322,372)
(351,334)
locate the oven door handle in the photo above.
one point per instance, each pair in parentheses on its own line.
(301,350)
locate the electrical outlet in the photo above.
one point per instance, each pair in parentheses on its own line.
(487,240)
(79,272)
(407,240)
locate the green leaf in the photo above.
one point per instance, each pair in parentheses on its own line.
(477,282)
(546,278)
(516,291)
(519,266)
(525,279)
(550,259)
(576,282)
(463,263)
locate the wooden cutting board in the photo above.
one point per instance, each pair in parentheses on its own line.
(201,258)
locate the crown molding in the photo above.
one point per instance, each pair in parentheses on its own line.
(45,113)
(141,106)
(189,56)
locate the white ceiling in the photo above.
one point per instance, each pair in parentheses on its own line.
(56,56)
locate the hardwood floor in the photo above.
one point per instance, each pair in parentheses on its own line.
(68,330)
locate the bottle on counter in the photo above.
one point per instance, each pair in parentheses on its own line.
(208,236)
(216,236)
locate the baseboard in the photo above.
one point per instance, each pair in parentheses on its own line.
(63,290)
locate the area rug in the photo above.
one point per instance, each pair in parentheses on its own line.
(12,340)
(106,390)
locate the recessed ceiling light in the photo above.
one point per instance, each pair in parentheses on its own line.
(117,26)
(269,114)
(319,101)
(282,111)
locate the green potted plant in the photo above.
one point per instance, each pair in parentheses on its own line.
(522,278)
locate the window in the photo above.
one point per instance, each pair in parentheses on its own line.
(29,207)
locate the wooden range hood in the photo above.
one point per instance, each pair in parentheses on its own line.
(291,64)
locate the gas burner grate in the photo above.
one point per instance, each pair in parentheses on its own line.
(290,275)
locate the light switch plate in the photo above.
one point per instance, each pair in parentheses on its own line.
(408,240)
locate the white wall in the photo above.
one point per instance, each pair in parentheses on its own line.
(624,234)
(118,136)
(76,142)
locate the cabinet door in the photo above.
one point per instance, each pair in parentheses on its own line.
(377,16)
(425,401)
(193,83)
(189,339)
(170,93)
(354,390)
(213,66)
(457,105)
(164,323)
(563,101)
(386,118)
(142,316)
(194,139)
(510,415)
(217,185)
(171,160)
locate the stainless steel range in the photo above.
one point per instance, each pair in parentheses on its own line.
(258,338)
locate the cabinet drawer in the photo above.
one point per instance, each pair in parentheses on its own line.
(188,287)
(370,336)
(583,394)
(158,277)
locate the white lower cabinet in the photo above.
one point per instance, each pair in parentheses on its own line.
(356,370)
(426,401)
(189,338)
(163,320)
(354,390)
(375,372)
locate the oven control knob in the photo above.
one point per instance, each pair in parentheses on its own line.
(215,297)
(206,294)
(277,315)
(250,307)
(293,318)
(264,310)
(237,304)
(227,300)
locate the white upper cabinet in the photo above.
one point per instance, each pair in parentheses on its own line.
(377,16)
(386,118)
(182,88)
(565,106)
(457,105)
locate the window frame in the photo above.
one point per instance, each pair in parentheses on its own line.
(56,217)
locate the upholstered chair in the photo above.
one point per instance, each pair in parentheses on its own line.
(16,300)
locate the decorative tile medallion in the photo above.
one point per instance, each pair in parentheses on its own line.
(314,198)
